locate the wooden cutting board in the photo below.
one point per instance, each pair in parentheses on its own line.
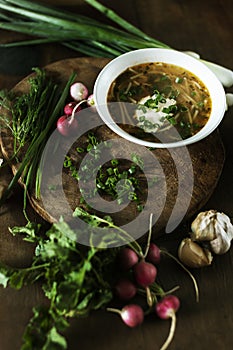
(189,175)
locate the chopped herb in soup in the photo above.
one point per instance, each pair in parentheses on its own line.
(165,95)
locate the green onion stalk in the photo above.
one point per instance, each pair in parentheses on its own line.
(28,171)
(46,24)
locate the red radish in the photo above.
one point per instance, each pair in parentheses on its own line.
(78,91)
(66,125)
(68,109)
(125,289)
(91,102)
(127,258)
(144,273)
(154,254)
(166,308)
(131,314)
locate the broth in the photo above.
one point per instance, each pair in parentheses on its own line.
(174,95)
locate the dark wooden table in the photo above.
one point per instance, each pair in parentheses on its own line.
(201,26)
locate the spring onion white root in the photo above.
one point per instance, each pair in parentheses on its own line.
(193,54)
(229,99)
(224,74)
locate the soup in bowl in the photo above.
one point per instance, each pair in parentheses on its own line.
(159,98)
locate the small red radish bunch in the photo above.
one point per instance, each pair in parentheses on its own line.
(67,124)
(143,272)
(143,275)
(125,289)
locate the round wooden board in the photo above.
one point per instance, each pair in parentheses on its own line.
(190,174)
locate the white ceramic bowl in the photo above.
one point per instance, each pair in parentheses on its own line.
(115,67)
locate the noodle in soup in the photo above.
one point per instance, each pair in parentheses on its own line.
(164,95)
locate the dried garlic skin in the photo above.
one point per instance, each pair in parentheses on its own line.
(214,227)
(193,255)
(221,244)
(203,227)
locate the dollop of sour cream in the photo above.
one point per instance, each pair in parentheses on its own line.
(153,119)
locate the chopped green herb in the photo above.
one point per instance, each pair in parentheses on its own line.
(183,109)
(108,175)
(179,80)
(200,104)
(164,77)
(80,149)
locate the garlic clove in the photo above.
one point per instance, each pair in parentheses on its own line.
(203,227)
(193,255)
(221,244)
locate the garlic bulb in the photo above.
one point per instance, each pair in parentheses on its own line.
(193,255)
(214,227)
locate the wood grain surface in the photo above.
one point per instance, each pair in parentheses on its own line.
(204,27)
(200,165)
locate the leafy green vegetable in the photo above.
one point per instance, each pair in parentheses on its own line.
(75,279)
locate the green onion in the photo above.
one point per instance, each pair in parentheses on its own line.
(29,167)
(67,27)
(178,80)
(39,20)
(123,23)
(84,34)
